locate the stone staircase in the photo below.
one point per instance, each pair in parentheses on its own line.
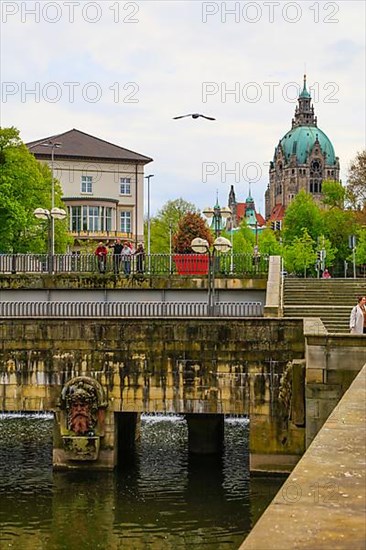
(329,299)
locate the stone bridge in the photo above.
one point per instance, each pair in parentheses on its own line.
(99,375)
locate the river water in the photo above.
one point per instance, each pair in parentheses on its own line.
(163,498)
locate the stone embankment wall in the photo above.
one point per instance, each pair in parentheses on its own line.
(322,503)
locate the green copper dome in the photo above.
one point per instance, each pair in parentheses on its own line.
(300,141)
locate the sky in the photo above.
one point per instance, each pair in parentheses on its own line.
(122,70)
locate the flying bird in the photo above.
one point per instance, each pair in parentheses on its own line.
(194,115)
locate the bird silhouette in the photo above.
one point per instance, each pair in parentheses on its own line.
(194,115)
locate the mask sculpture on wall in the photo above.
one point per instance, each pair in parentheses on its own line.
(82,405)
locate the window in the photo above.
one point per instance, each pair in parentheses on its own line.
(125,186)
(108,219)
(125,218)
(93,219)
(75,216)
(90,218)
(86,184)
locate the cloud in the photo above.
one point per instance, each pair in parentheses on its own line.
(129,79)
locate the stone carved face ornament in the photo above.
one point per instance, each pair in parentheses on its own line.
(82,399)
(80,407)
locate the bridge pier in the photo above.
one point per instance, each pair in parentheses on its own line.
(205,433)
(97,452)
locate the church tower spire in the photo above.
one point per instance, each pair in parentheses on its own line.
(304,112)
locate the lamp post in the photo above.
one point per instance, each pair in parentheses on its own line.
(202,247)
(219,216)
(148,220)
(50,215)
(54,145)
(170,247)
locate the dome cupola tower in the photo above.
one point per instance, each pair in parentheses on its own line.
(303,158)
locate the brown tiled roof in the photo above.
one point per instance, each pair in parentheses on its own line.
(79,145)
(278,213)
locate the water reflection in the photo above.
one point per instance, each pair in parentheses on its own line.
(161,498)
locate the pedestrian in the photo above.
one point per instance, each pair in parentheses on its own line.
(140,258)
(117,251)
(326,274)
(101,254)
(357,321)
(126,258)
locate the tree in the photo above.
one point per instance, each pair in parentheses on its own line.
(334,194)
(268,243)
(338,224)
(165,223)
(302,213)
(300,255)
(25,184)
(356,185)
(361,247)
(190,226)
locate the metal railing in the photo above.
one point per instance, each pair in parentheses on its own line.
(97,310)
(243,265)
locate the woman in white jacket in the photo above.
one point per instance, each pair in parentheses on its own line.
(357,322)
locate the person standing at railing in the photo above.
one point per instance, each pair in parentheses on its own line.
(117,251)
(126,258)
(101,254)
(357,321)
(140,258)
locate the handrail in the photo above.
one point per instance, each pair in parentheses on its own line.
(158,264)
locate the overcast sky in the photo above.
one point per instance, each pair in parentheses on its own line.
(121,70)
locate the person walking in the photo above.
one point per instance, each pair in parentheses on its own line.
(326,274)
(117,251)
(126,258)
(357,321)
(101,254)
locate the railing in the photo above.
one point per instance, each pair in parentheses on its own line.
(243,265)
(127,309)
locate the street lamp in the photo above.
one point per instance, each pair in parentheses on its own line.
(219,216)
(50,215)
(201,246)
(54,145)
(148,218)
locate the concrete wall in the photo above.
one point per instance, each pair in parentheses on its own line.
(129,295)
(332,363)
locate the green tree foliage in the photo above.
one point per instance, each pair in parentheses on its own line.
(302,213)
(330,251)
(25,184)
(243,239)
(360,247)
(356,184)
(300,256)
(165,223)
(190,226)
(268,243)
(337,226)
(334,194)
